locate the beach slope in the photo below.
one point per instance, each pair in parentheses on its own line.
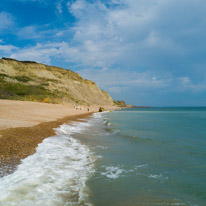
(23,125)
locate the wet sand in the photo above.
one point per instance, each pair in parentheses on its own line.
(23,125)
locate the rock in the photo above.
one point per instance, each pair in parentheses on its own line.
(101,109)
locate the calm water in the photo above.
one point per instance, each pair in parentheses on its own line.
(131,157)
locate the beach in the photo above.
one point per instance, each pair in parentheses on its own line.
(23,125)
(136,156)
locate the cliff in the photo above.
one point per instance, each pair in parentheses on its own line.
(31,81)
(120,103)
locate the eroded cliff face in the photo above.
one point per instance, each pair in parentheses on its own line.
(32,81)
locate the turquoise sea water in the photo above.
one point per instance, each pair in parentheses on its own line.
(153,156)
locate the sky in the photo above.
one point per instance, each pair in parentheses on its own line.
(146,52)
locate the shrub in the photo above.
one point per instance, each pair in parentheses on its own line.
(22,78)
(46,100)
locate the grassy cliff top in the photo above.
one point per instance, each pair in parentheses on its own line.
(28,66)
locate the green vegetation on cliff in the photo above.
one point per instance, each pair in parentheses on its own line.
(19,91)
(120,103)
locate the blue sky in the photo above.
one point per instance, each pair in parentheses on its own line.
(147,52)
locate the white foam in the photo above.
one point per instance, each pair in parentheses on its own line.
(140,166)
(98,115)
(102,147)
(115,172)
(75,127)
(112,172)
(160,176)
(55,175)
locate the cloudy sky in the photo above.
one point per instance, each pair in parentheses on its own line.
(147,52)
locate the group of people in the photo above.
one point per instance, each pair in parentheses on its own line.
(80,108)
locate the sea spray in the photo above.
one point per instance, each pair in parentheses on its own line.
(55,175)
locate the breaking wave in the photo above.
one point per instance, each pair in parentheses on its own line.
(55,175)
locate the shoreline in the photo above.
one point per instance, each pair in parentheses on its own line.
(15,113)
(18,143)
(23,125)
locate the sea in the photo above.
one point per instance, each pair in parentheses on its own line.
(128,157)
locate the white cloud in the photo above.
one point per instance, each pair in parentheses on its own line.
(29,32)
(41,1)
(120,32)
(7,48)
(116,80)
(184,80)
(59,7)
(41,33)
(6,21)
(153,38)
(40,53)
(185,83)
(125,32)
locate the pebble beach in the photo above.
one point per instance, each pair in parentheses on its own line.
(23,125)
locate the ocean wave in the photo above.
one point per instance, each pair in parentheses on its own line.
(112,172)
(160,176)
(115,172)
(106,122)
(141,139)
(140,166)
(55,175)
(102,147)
(120,171)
